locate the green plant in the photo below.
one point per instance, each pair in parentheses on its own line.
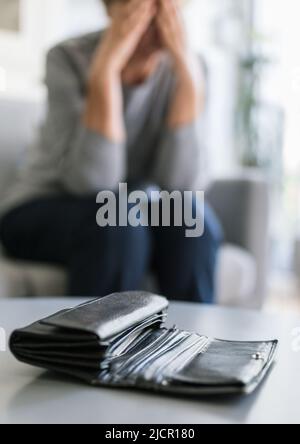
(251,69)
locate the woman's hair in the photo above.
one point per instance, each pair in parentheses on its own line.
(107,3)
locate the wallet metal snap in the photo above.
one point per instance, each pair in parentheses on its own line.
(258,357)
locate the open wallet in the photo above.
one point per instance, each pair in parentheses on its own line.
(121,341)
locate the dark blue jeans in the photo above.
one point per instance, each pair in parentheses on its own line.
(63,231)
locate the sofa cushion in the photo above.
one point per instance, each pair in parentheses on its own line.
(19,279)
(236,278)
(14,141)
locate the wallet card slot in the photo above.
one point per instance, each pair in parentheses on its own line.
(116,367)
(122,343)
(157,360)
(140,367)
(126,369)
(179,359)
(152,364)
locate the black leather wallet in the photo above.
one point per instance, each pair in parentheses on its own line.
(121,341)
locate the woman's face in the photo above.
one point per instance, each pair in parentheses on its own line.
(150,43)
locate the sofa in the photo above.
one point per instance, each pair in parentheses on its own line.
(241,202)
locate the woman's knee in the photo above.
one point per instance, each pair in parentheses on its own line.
(135,243)
(3,230)
(117,240)
(199,222)
(8,233)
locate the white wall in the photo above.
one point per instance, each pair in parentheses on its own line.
(20,52)
(43,23)
(282,87)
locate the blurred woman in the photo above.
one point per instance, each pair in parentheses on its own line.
(124,105)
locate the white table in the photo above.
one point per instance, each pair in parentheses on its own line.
(29,395)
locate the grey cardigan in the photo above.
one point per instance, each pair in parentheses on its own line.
(70,158)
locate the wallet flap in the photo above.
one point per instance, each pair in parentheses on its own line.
(111,315)
(228,363)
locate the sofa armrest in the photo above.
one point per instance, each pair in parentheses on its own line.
(242,205)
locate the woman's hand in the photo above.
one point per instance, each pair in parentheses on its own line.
(130,21)
(188,100)
(104,107)
(171,28)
